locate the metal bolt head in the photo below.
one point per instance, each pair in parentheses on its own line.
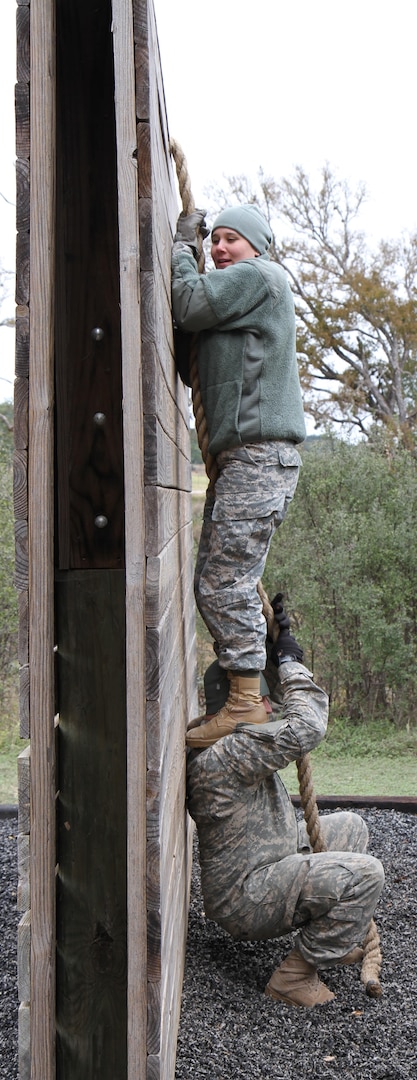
(99,419)
(101,521)
(97,333)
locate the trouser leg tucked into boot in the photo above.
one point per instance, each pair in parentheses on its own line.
(244,705)
(296,982)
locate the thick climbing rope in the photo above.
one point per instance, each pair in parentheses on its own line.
(371,964)
(188,206)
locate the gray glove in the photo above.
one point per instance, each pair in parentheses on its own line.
(187,227)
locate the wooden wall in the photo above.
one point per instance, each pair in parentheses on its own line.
(21,439)
(104,551)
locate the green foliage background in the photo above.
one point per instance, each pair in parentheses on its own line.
(346,560)
(10,744)
(8,598)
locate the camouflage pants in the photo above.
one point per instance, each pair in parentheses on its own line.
(255,486)
(329,897)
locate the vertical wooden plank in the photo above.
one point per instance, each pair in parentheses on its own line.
(91,896)
(23,955)
(89,447)
(41,516)
(21,388)
(134,534)
(89,585)
(24,1041)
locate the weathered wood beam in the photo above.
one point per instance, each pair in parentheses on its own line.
(41,518)
(127,165)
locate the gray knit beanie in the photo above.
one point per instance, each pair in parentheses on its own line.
(249,222)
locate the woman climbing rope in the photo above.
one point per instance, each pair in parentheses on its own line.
(371,962)
(243,312)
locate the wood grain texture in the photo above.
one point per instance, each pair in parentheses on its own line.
(164,644)
(21,413)
(162,575)
(92,819)
(170,623)
(116,211)
(167,511)
(41,517)
(88,367)
(22,342)
(160,394)
(131,332)
(21,574)
(23,883)
(22,268)
(24,1041)
(22,120)
(23,43)
(21,388)
(23,958)
(23,632)
(142,65)
(24,698)
(23,783)
(163,467)
(20,480)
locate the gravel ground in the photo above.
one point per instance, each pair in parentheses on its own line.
(9,919)
(230,1031)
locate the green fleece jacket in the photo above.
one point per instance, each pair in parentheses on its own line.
(247,363)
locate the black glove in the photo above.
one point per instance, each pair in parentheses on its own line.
(187,227)
(182,351)
(280,615)
(285,644)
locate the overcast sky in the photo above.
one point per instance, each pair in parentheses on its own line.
(270,85)
(277,84)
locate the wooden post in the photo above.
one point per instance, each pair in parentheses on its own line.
(41,518)
(90,552)
(91,901)
(170,626)
(127,169)
(108,551)
(20,485)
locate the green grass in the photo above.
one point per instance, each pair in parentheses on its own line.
(199,481)
(373,775)
(10,743)
(8,771)
(365,759)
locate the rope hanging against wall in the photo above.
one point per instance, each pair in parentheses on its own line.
(372,960)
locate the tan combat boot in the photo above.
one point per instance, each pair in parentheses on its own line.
(296,982)
(244,705)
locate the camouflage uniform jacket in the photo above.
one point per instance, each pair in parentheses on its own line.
(243,812)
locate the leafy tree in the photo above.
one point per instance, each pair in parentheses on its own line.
(346,559)
(195,451)
(356,309)
(6,430)
(8,598)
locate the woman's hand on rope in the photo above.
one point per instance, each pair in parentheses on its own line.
(189,228)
